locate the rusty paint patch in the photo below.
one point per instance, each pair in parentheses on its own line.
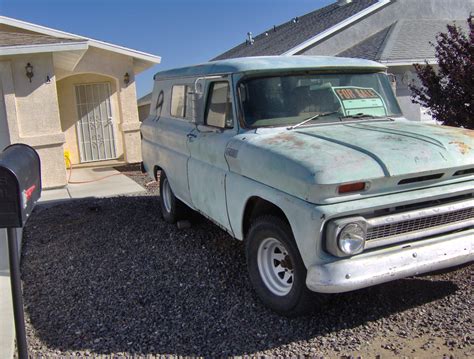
(456,130)
(469,133)
(285,137)
(463,148)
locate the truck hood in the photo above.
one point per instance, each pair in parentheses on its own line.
(311,162)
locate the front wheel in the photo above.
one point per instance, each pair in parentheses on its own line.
(276,269)
(172,208)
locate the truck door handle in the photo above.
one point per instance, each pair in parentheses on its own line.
(191,135)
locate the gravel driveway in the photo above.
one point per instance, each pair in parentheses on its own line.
(109,276)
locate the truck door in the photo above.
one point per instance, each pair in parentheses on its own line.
(165,136)
(207,166)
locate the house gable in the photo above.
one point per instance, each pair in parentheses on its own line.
(36,38)
(424,18)
(411,40)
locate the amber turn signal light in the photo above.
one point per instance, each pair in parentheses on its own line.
(351,187)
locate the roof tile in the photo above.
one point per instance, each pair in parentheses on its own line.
(410,39)
(8,38)
(290,34)
(370,48)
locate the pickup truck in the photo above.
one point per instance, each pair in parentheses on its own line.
(310,161)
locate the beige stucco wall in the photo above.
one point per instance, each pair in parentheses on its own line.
(32,112)
(69,114)
(4,133)
(115,66)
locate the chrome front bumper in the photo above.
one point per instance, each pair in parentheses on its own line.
(388,264)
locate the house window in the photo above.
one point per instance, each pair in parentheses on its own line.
(178,101)
(219,106)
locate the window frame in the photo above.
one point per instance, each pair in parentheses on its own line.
(244,78)
(184,102)
(210,91)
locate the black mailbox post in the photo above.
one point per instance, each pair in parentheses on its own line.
(20,189)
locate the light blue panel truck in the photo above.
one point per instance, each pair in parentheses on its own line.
(310,161)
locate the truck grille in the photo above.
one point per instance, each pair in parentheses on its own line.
(420,223)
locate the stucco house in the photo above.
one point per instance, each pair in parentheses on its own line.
(394,32)
(144,104)
(67,94)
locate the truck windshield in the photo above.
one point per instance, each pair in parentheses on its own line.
(288,100)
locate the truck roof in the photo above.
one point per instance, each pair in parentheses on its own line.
(270,64)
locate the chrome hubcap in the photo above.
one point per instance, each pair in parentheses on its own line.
(275,266)
(166,195)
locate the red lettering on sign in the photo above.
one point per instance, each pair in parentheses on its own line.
(355,93)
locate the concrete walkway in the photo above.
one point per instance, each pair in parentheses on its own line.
(84,182)
(7,328)
(93,182)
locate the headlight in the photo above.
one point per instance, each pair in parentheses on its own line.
(346,236)
(351,239)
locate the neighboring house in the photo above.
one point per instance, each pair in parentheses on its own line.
(144,104)
(394,32)
(64,93)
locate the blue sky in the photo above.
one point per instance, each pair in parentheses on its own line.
(182,32)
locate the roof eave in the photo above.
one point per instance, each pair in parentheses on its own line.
(152,59)
(40,48)
(408,62)
(155,59)
(338,27)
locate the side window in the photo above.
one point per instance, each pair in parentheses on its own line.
(178,101)
(219,106)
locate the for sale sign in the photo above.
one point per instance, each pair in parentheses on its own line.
(356,100)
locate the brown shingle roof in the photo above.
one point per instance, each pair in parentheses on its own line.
(21,39)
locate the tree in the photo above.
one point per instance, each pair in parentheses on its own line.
(448,92)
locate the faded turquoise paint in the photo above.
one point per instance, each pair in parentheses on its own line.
(300,171)
(268,64)
(311,162)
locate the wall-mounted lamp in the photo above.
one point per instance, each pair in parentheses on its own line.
(29,71)
(126,79)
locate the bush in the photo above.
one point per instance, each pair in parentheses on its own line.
(448,92)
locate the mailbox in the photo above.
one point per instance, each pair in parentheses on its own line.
(20,184)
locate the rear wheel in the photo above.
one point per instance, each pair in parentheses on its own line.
(172,208)
(276,269)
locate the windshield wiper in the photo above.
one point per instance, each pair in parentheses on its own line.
(311,119)
(358,115)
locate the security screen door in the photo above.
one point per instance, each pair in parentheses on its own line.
(95,127)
